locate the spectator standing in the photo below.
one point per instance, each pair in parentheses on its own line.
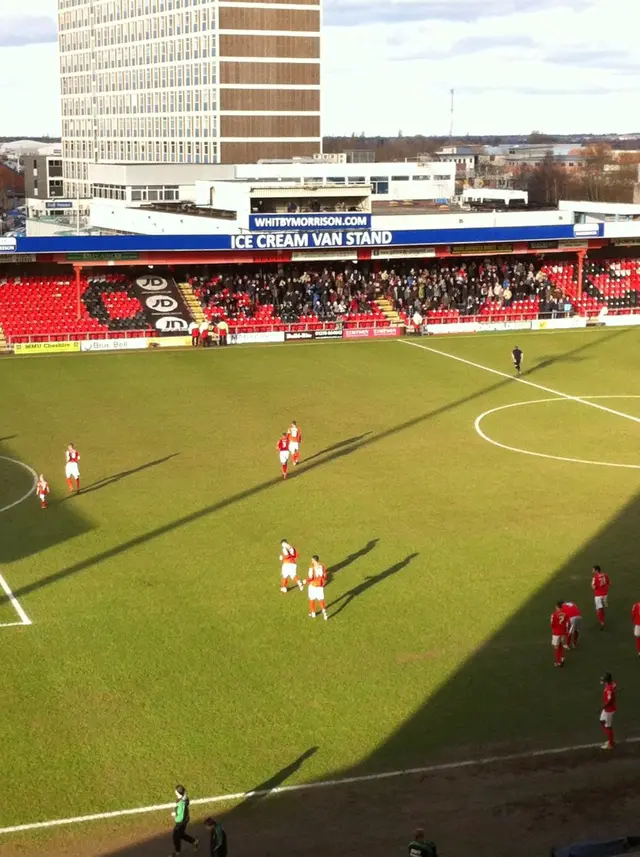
(218,844)
(204,333)
(194,332)
(421,847)
(181,820)
(223,332)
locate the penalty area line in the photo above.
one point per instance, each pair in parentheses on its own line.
(15,604)
(320,784)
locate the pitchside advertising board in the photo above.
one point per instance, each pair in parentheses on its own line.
(322,238)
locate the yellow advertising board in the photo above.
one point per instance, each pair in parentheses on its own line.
(46,347)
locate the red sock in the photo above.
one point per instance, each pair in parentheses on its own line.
(296,457)
(600,613)
(638,643)
(284,470)
(559,654)
(312,607)
(70,484)
(608,731)
(78,484)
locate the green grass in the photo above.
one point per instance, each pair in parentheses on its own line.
(162,649)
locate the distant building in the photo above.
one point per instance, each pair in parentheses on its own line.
(43,175)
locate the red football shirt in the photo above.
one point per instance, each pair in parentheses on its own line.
(609,697)
(283,444)
(571,609)
(600,584)
(559,623)
(289,554)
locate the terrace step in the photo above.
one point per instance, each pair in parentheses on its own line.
(387,308)
(192,302)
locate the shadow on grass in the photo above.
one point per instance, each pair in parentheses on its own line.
(348,560)
(25,529)
(263,790)
(367,440)
(117,477)
(336,446)
(371,580)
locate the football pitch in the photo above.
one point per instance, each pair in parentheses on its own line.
(452,504)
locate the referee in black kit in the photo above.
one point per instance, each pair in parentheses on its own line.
(516,356)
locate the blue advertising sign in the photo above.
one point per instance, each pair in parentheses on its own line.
(59,203)
(306,221)
(320,239)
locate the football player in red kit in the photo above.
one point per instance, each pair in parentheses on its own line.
(559,633)
(42,490)
(283,453)
(609,708)
(317,580)
(72,469)
(294,436)
(600,584)
(289,560)
(575,617)
(635,618)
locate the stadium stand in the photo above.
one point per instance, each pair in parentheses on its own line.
(34,307)
(252,299)
(615,283)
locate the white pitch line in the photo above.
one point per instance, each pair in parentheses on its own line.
(478,423)
(520,380)
(15,603)
(320,784)
(30,491)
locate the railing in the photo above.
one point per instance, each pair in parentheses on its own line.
(272,327)
(300,327)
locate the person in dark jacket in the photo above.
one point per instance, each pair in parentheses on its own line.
(218,844)
(181,820)
(421,847)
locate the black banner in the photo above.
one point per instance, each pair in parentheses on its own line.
(302,335)
(163,304)
(298,335)
(333,333)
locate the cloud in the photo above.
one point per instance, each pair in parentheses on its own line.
(352,13)
(540,91)
(27,30)
(464,47)
(606,59)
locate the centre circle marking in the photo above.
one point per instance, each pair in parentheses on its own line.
(29,492)
(478,423)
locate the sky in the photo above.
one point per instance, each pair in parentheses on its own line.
(556,66)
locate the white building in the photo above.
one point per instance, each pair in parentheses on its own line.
(186,81)
(124,194)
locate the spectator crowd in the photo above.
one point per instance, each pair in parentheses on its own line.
(333,291)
